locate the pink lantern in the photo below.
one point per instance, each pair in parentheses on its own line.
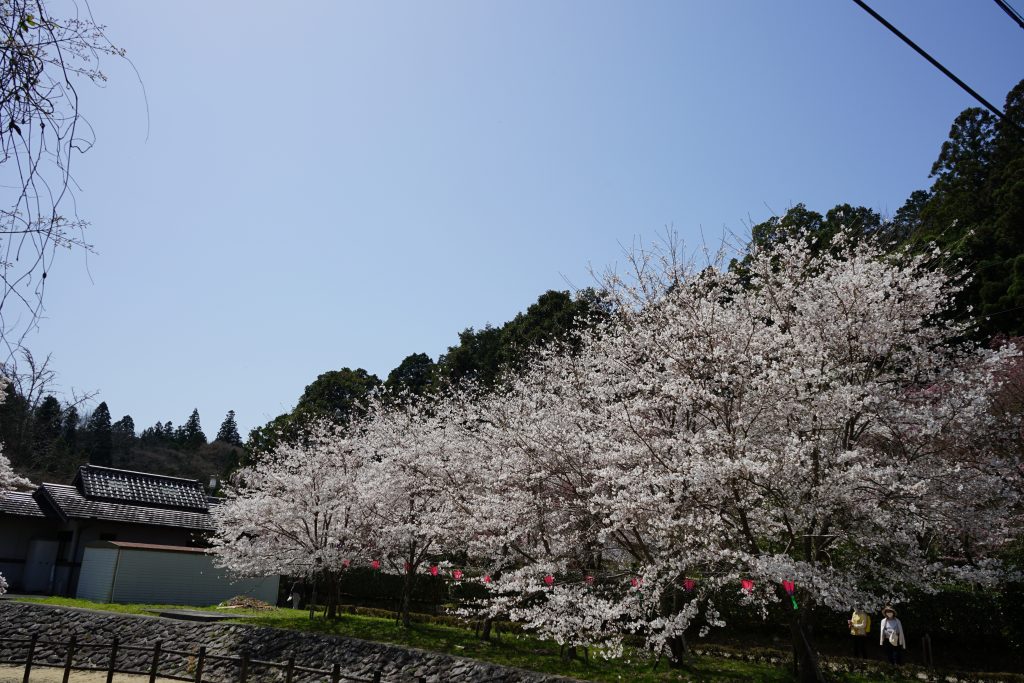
(345,563)
(487,578)
(434,570)
(457,575)
(689,585)
(635,582)
(748,585)
(589,580)
(375,564)
(549,580)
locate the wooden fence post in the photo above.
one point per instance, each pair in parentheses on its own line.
(243,667)
(376,676)
(156,661)
(67,660)
(31,654)
(113,661)
(289,670)
(199,664)
(336,673)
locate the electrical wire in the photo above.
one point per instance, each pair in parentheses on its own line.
(1014,14)
(934,62)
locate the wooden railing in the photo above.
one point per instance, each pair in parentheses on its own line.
(192,662)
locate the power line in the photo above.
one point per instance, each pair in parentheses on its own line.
(934,62)
(1014,14)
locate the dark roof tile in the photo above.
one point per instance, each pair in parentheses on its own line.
(140,488)
(72,504)
(20,503)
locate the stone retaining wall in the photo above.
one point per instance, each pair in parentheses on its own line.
(356,657)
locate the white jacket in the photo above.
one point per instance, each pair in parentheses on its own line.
(897,626)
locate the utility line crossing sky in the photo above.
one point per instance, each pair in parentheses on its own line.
(331,184)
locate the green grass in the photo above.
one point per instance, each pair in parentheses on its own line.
(516,650)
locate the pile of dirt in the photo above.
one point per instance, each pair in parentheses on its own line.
(244,602)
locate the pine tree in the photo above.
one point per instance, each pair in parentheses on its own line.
(192,433)
(228,432)
(100,437)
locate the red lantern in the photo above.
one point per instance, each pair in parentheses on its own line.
(790,587)
(635,582)
(433,570)
(549,580)
(375,564)
(748,585)
(345,564)
(589,580)
(487,578)
(457,575)
(689,585)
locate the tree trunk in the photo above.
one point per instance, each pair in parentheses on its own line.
(678,649)
(805,660)
(569,653)
(332,595)
(485,633)
(407,584)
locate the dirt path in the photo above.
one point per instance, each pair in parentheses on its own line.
(48,674)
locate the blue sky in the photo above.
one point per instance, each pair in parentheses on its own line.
(344,184)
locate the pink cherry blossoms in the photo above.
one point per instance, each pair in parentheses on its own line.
(808,420)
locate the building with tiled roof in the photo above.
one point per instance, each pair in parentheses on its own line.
(43,533)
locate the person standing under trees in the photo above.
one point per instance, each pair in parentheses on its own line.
(891,636)
(860,626)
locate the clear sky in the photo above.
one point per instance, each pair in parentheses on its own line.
(333,184)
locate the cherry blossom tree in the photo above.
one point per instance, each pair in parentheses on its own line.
(410,519)
(798,421)
(9,479)
(811,426)
(295,512)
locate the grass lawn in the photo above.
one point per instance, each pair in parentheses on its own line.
(516,650)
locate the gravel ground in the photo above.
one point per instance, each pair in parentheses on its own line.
(46,674)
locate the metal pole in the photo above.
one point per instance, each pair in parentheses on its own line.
(31,653)
(113,661)
(243,668)
(376,676)
(289,670)
(336,673)
(69,657)
(156,661)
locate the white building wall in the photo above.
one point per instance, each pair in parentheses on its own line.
(97,577)
(179,578)
(15,535)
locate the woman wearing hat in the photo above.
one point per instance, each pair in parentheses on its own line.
(891,636)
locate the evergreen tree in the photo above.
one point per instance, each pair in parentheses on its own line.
(100,437)
(46,430)
(69,431)
(228,432)
(415,374)
(192,436)
(123,432)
